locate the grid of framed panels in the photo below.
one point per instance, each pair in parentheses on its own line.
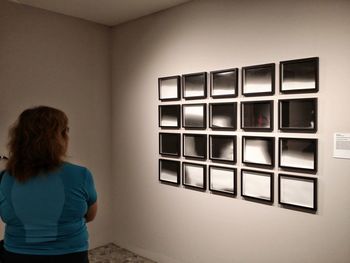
(211,129)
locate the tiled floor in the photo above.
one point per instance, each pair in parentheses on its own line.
(113,254)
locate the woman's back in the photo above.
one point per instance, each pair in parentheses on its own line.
(45,214)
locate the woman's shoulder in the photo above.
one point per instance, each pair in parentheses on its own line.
(74,168)
(73,174)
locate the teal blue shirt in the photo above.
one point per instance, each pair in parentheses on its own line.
(45,215)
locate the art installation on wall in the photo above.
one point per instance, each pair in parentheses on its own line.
(198,137)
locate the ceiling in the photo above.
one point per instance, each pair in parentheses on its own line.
(107,12)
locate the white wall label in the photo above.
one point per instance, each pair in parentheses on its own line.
(341,145)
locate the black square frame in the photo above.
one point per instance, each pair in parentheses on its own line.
(270,68)
(313,208)
(173,109)
(270,174)
(233,138)
(312,118)
(300,75)
(234,170)
(177,78)
(203,126)
(169,140)
(173,164)
(312,146)
(271,151)
(258,117)
(202,85)
(228,108)
(225,77)
(203,138)
(204,178)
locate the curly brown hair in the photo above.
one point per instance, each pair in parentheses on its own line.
(37,142)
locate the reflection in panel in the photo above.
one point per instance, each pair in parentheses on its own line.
(257,115)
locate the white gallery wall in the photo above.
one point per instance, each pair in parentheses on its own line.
(56,60)
(175,224)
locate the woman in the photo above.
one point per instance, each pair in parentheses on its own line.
(44,201)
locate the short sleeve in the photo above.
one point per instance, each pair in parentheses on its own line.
(2,197)
(90,188)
